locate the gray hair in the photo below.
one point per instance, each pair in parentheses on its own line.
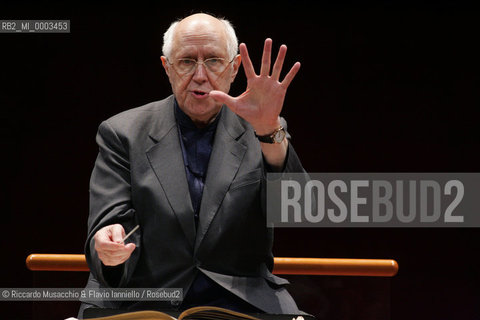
(232,41)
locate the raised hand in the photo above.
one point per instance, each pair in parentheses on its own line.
(262,102)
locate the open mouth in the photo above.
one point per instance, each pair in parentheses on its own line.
(199,93)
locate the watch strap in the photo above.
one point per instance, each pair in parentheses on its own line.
(270,138)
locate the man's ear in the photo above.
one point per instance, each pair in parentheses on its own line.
(237,61)
(165,65)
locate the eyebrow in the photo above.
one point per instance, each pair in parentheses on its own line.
(206,57)
(209,54)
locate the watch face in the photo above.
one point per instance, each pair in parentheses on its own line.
(279,136)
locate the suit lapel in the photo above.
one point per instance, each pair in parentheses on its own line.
(226,157)
(166,160)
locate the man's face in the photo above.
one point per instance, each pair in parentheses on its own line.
(199,37)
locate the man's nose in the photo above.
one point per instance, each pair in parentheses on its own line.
(200,73)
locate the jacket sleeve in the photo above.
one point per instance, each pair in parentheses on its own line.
(292,165)
(110,203)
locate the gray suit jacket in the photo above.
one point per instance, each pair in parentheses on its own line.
(139,178)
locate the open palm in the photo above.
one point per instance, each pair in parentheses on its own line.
(262,102)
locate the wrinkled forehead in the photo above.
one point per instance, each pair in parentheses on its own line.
(199,38)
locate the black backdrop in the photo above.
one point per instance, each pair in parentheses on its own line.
(384,87)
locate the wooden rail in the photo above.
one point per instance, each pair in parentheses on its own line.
(293,266)
(336,267)
(57,262)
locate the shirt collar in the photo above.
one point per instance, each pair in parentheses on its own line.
(186,123)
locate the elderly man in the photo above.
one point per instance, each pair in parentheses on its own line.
(190,170)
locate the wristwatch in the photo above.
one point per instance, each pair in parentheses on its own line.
(276,136)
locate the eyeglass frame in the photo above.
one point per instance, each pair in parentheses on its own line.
(197,62)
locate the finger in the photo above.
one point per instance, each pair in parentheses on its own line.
(103,237)
(120,254)
(246,62)
(130,247)
(105,260)
(266,57)
(224,98)
(119,258)
(112,261)
(116,258)
(290,75)
(117,233)
(277,67)
(108,246)
(108,261)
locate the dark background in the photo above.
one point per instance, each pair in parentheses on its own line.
(384,87)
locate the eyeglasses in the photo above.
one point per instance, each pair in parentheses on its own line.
(186,66)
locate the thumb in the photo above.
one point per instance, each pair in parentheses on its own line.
(117,233)
(223,98)
(130,247)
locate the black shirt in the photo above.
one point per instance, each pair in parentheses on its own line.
(197,144)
